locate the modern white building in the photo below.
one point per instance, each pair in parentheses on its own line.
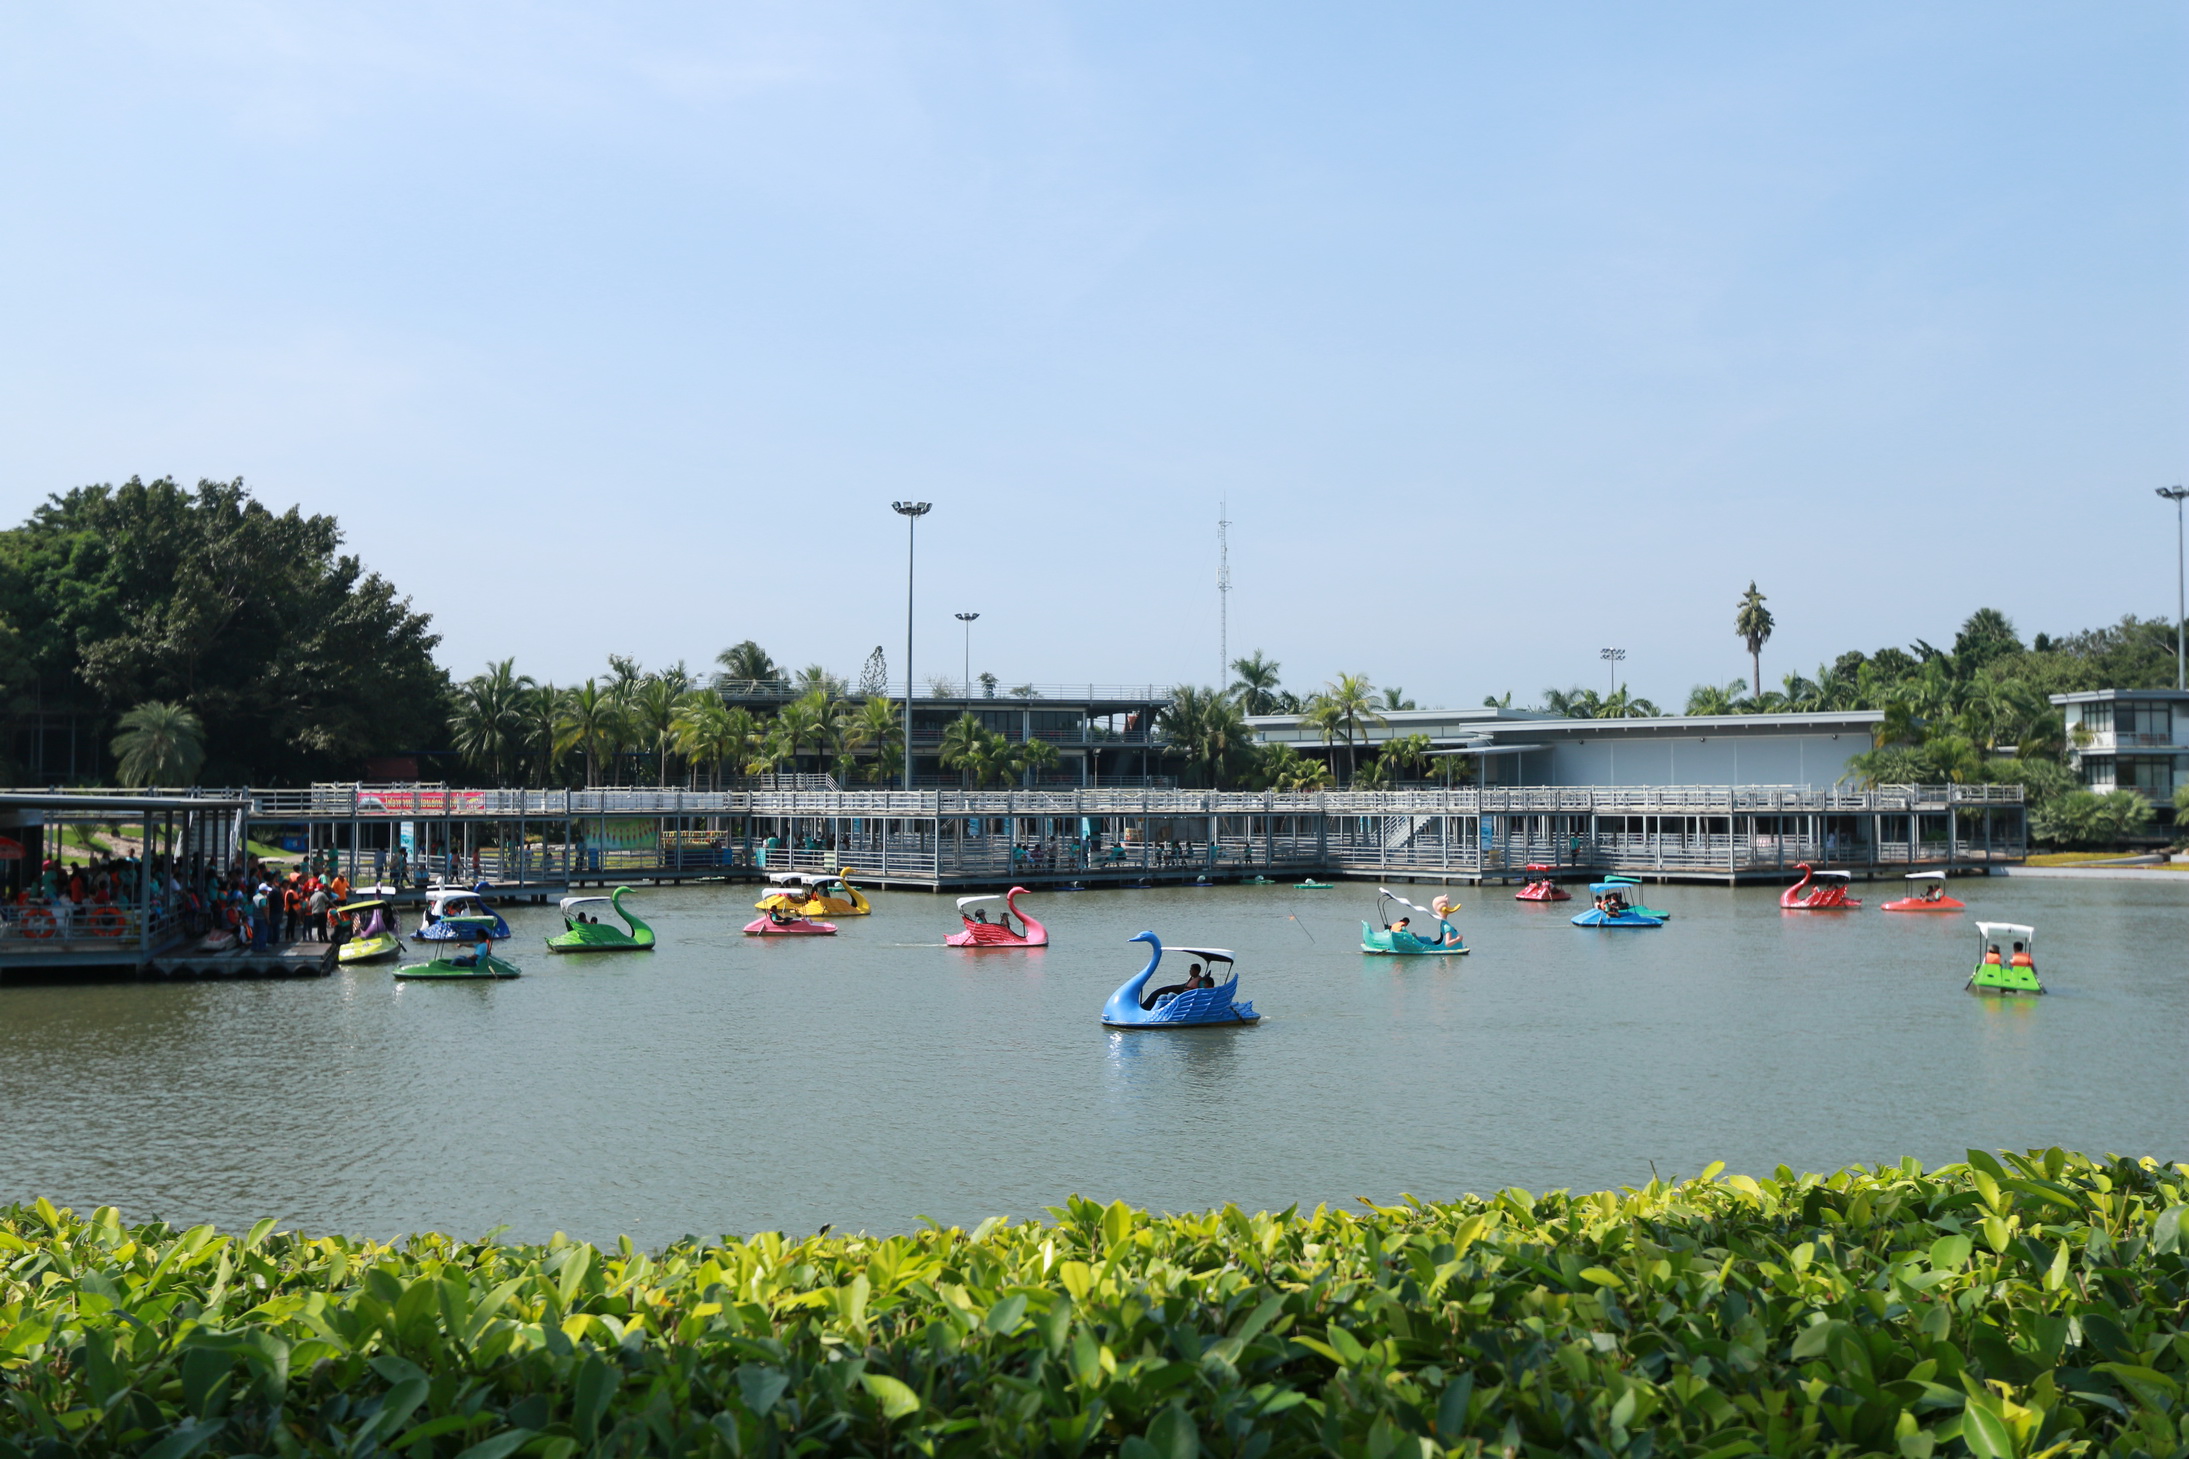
(2129,739)
(1515,747)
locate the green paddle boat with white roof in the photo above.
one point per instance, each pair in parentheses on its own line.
(467,956)
(583,931)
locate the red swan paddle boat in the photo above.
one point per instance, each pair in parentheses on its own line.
(1826,891)
(1928,896)
(1541,888)
(980,932)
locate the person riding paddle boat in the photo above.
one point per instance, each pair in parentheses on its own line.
(371,939)
(446,905)
(1204,999)
(583,931)
(467,954)
(1540,887)
(2005,963)
(815,894)
(1818,891)
(1399,938)
(782,922)
(1928,894)
(980,932)
(1611,909)
(1633,896)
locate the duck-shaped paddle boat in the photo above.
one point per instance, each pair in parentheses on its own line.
(583,931)
(1540,887)
(371,939)
(779,923)
(1818,891)
(980,932)
(1611,909)
(444,905)
(1634,888)
(815,894)
(1180,1005)
(1398,937)
(2005,964)
(468,956)
(1927,895)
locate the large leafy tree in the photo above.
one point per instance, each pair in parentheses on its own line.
(298,662)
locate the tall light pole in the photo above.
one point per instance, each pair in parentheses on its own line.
(1612,656)
(911,512)
(2175,494)
(967,620)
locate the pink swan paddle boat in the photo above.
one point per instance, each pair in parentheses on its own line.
(779,924)
(980,932)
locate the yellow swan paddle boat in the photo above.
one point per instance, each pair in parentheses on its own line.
(815,894)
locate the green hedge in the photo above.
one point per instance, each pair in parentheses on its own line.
(2028,1306)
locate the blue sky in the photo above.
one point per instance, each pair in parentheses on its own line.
(1509,332)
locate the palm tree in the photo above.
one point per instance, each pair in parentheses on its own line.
(802,722)
(747,663)
(540,715)
(1408,752)
(875,729)
(653,712)
(591,721)
(1256,687)
(1710,699)
(1752,622)
(1574,703)
(1394,699)
(1623,704)
(1345,706)
(488,721)
(1207,729)
(815,679)
(964,741)
(159,744)
(1028,756)
(705,733)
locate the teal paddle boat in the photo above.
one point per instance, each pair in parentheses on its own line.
(1611,909)
(1312,885)
(1633,897)
(583,931)
(467,955)
(1397,936)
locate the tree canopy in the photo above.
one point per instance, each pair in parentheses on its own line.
(298,662)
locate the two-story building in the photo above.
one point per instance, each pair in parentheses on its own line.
(2129,739)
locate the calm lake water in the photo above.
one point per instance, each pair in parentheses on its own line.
(727,1084)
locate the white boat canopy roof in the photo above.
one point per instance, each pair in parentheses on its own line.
(1926,876)
(2009,931)
(1394,896)
(447,895)
(568,902)
(1213,954)
(964,902)
(1842,875)
(793,878)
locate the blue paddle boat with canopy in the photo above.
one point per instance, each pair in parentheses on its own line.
(1397,935)
(1202,999)
(1612,908)
(451,913)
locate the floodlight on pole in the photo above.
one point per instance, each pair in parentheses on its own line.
(967,620)
(1612,656)
(2175,494)
(911,512)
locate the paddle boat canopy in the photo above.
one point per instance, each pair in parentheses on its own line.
(447,905)
(1204,999)
(2005,962)
(778,922)
(468,957)
(1634,894)
(583,931)
(1611,908)
(371,937)
(1397,936)
(980,932)
(1540,887)
(1926,894)
(815,894)
(1818,891)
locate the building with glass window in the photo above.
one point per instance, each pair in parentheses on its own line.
(2129,739)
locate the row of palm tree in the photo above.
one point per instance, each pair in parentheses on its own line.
(982,755)
(663,726)
(1206,730)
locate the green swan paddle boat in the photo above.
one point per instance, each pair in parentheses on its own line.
(467,957)
(583,931)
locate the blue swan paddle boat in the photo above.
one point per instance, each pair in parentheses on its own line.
(1135,1005)
(445,906)
(1611,909)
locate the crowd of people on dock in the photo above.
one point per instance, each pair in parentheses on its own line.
(256,905)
